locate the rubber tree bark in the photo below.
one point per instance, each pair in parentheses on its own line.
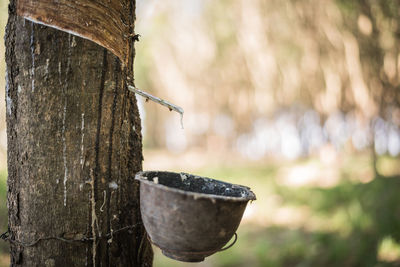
(74,146)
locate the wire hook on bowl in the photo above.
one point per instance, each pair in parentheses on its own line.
(233,243)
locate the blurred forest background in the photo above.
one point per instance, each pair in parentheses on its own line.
(297,99)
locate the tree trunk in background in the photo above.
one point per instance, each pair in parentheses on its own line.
(74,140)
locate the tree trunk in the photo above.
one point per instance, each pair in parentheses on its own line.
(74,146)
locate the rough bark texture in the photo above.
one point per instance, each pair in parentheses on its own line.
(106,22)
(73,140)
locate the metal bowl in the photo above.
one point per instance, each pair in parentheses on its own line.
(190,217)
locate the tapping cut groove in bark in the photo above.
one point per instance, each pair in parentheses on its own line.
(106,23)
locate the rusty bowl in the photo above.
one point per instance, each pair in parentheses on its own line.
(190,217)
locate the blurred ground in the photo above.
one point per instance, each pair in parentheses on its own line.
(308,212)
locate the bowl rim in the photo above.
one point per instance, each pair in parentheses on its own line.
(250,196)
